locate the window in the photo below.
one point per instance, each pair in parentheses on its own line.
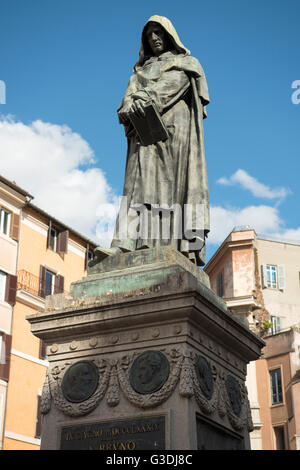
(2,285)
(5,356)
(89,256)
(276,325)
(276,386)
(273,277)
(57,239)
(5,217)
(50,282)
(220,285)
(8,288)
(53,239)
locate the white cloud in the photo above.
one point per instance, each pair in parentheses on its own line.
(258,189)
(46,160)
(265,220)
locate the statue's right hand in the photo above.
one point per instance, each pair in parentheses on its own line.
(137,108)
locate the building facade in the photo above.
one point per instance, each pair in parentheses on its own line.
(12,200)
(44,259)
(259,279)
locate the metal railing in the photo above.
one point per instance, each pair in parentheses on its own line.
(33,284)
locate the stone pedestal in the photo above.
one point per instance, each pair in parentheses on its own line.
(143,355)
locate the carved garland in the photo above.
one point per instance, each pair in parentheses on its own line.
(156,398)
(114,376)
(52,389)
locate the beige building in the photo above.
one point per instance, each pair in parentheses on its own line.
(259,279)
(39,256)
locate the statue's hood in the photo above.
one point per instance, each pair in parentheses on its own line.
(169,28)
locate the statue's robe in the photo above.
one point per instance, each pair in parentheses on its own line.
(171,172)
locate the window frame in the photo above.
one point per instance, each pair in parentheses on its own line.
(277,320)
(2,291)
(2,219)
(53,281)
(271,370)
(272,286)
(53,238)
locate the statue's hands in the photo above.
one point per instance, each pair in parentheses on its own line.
(137,108)
(123,113)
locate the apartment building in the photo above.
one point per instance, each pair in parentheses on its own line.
(45,257)
(259,279)
(12,200)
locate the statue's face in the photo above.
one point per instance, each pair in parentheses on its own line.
(156,38)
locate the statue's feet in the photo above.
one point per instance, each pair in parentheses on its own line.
(102,253)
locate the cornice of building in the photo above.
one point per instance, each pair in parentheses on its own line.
(16,195)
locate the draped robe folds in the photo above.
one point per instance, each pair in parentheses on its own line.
(172,171)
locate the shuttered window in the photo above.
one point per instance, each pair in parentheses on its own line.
(273,276)
(5,356)
(89,256)
(2,285)
(5,220)
(50,283)
(57,240)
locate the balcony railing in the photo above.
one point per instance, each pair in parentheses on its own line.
(35,285)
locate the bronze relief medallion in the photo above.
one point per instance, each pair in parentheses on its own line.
(205,377)
(80,381)
(149,371)
(234,394)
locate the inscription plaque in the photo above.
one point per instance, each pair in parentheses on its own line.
(80,381)
(136,434)
(149,371)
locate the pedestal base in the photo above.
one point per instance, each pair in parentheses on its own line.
(153,360)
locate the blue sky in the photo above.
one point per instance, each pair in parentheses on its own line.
(67,63)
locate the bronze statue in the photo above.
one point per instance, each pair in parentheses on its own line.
(169,173)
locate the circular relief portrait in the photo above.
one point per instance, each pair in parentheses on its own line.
(205,377)
(234,394)
(149,371)
(80,381)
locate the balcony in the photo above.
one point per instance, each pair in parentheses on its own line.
(40,287)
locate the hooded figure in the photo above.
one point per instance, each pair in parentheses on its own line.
(165,181)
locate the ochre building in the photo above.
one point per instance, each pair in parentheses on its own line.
(39,256)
